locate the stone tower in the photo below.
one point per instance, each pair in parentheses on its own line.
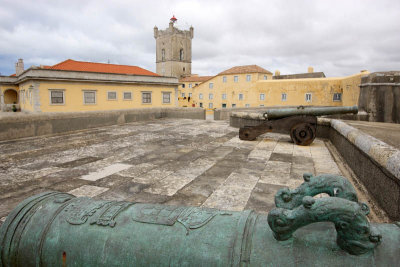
(173,50)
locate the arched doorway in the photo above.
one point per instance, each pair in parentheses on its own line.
(10,96)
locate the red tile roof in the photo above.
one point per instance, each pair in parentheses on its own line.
(195,78)
(245,69)
(73,65)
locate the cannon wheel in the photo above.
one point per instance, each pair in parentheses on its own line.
(303,134)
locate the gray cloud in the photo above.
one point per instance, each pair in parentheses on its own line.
(337,37)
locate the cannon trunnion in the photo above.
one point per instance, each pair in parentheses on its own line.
(300,122)
(58,229)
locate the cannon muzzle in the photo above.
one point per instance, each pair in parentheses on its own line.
(309,111)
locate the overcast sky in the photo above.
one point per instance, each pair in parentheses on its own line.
(337,37)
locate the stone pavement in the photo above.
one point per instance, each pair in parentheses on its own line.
(171,161)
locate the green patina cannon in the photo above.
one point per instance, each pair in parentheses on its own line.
(300,122)
(58,229)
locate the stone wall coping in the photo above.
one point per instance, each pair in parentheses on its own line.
(248,115)
(25,117)
(385,155)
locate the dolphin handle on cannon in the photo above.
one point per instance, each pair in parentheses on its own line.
(300,122)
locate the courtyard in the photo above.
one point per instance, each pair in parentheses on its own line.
(171,161)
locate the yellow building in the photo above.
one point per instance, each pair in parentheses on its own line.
(253,86)
(86,86)
(187,87)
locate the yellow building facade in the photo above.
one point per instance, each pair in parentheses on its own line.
(56,90)
(252,86)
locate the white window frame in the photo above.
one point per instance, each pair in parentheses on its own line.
(265,77)
(308,99)
(211,85)
(200,96)
(95,97)
(240,96)
(183,95)
(223,96)
(190,85)
(223,105)
(262,96)
(151,97)
(283,96)
(112,99)
(55,90)
(234,105)
(247,105)
(210,96)
(336,99)
(210,105)
(190,95)
(224,80)
(127,99)
(169,97)
(248,78)
(236,78)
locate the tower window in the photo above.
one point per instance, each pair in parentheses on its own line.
(181,54)
(163,54)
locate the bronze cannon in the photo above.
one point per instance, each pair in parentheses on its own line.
(58,229)
(300,122)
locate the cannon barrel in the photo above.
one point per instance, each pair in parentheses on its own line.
(58,229)
(310,111)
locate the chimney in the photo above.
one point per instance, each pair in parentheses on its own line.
(19,67)
(277,73)
(310,69)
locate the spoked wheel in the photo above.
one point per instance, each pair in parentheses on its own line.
(303,134)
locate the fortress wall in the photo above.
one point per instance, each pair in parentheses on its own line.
(27,125)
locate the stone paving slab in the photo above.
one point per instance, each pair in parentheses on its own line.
(171,161)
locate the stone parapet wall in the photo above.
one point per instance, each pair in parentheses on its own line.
(375,163)
(13,126)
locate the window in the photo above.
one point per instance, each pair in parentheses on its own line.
(337,97)
(89,97)
(248,77)
(284,97)
(234,105)
(181,55)
(223,96)
(166,97)
(247,105)
(201,104)
(308,97)
(224,79)
(190,85)
(190,94)
(111,95)
(183,94)
(196,84)
(127,95)
(210,96)
(240,96)
(200,96)
(265,77)
(163,55)
(261,105)
(211,85)
(183,85)
(210,105)
(223,105)
(235,79)
(56,97)
(146,97)
(262,96)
